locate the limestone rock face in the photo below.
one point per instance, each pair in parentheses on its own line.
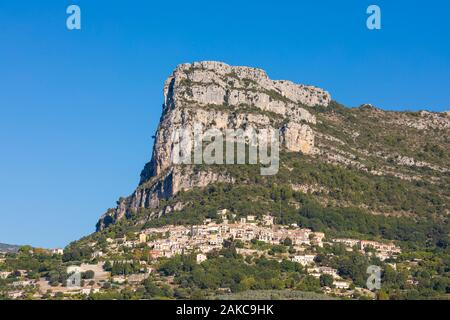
(215,95)
(298,137)
(217,83)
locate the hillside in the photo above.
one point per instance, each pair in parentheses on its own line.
(321,194)
(5,248)
(361,162)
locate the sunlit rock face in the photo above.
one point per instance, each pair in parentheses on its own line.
(215,95)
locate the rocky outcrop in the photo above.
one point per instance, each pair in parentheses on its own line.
(216,95)
(298,137)
(423,120)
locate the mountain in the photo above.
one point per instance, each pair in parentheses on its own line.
(8,248)
(359,164)
(267,189)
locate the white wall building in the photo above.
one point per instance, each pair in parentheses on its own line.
(341,284)
(201,257)
(304,260)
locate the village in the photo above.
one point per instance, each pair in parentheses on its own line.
(169,241)
(255,235)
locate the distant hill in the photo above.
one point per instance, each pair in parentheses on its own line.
(5,248)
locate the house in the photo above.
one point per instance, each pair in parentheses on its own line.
(314,272)
(121,240)
(304,260)
(215,240)
(299,237)
(119,279)
(265,236)
(347,242)
(137,278)
(15,294)
(129,244)
(155,254)
(142,238)
(201,257)
(341,284)
(23,272)
(97,254)
(317,238)
(267,220)
(330,271)
(381,247)
(222,212)
(57,251)
(88,291)
(22,283)
(382,256)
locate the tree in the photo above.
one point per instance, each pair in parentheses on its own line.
(326,280)
(25,249)
(382,295)
(106,285)
(171,266)
(107,266)
(151,289)
(287,242)
(59,295)
(88,274)
(309,283)
(353,266)
(181,293)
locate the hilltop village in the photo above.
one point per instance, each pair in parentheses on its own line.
(127,261)
(172,240)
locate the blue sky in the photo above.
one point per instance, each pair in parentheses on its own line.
(78,108)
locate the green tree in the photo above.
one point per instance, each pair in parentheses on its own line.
(326,280)
(89,274)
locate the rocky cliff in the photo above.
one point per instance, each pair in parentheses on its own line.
(216,95)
